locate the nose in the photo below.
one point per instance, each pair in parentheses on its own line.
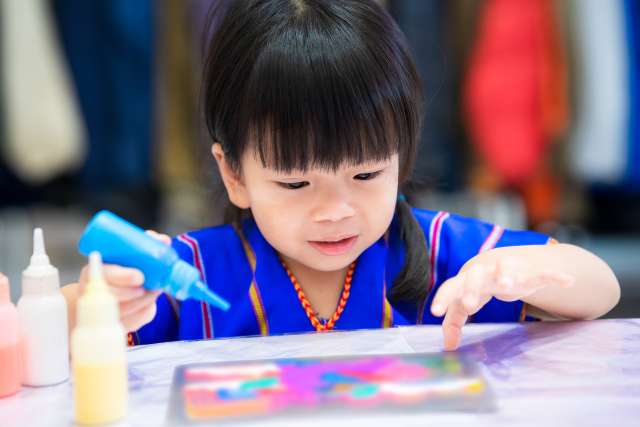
(332,205)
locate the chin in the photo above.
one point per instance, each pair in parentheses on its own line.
(329,263)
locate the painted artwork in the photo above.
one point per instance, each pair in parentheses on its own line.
(234,391)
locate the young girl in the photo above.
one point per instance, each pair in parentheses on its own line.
(314,109)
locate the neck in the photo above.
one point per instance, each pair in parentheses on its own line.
(322,288)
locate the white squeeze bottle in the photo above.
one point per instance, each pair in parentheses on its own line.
(98,353)
(43,317)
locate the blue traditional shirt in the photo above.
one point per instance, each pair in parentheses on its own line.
(242,267)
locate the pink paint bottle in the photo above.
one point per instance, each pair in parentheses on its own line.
(10,369)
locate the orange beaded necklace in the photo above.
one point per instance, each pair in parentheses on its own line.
(346,290)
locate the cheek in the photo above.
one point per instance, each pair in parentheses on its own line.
(381,204)
(380,216)
(279,230)
(277,219)
(382,195)
(269,212)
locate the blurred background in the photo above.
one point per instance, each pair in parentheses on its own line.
(532,121)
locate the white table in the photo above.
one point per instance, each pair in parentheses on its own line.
(543,374)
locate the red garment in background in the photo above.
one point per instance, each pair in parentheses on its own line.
(516,94)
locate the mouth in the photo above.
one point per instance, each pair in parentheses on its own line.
(334,247)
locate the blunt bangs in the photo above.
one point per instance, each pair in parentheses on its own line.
(312,83)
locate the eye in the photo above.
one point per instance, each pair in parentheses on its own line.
(366,176)
(293,185)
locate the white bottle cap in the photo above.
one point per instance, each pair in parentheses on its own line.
(40,276)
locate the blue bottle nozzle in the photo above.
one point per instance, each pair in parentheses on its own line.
(120,242)
(200,292)
(184,282)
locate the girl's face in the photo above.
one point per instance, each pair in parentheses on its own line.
(323,219)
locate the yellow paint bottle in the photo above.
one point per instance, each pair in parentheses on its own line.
(98,351)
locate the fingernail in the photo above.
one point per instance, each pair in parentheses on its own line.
(437,309)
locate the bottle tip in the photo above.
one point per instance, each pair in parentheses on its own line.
(39,256)
(38,241)
(95,266)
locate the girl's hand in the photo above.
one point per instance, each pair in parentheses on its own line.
(507,279)
(137,305)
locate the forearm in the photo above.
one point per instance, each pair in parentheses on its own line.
(595,290)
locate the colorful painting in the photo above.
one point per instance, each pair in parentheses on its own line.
(288,386)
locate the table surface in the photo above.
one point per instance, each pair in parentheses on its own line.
(542,373)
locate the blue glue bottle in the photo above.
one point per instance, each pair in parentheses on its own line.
(120,242)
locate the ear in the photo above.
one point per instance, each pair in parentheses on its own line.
(233,182)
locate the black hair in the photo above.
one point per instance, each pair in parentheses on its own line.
(317,83)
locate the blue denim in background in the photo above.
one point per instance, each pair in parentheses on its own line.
(424,23)
(632,18)
(109,46)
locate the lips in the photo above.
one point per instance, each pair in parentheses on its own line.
(334,247)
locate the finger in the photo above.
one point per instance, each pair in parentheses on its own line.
(477,283)
(127,293)
(447,293)
(117,275)
(162,237)
(506,275)
(136,320)
(127,308)
(452,325)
